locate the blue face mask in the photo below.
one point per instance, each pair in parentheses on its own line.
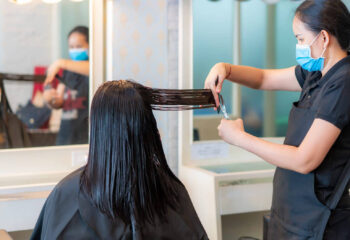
(303,56)
(79,54)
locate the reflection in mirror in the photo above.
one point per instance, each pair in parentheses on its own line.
(266,41)
(44,73)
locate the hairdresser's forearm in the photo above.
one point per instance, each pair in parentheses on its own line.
(81,67)
(247,76)
(284,156)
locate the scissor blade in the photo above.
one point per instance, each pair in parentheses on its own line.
(223,108)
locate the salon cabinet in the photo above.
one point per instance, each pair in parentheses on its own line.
(25,185)
(234,183)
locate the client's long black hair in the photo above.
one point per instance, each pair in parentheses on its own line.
(127,175)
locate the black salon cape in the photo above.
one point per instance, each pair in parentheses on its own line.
(68,214)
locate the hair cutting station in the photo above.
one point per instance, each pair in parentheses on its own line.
(230,188)
(28,175)
(24,185)
(221,179)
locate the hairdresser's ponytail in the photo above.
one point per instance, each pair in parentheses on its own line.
(347,31)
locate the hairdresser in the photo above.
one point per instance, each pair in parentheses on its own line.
(72,93)
(311,183)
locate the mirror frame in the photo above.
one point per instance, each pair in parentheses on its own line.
(185,118)
(97,20)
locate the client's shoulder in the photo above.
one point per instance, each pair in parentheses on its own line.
(68,187)
(182,191)
(61,206)
(71,180)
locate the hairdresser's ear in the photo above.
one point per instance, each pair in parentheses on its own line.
(325,38)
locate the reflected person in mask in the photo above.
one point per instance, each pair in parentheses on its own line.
(73,90)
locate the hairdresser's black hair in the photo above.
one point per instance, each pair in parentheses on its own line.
(82,30)
(329,15)
(127,175)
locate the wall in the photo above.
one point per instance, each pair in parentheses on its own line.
(212,43)
(285,57)
(347,3)
(71,14)
(25,33)
(145,49)
(253,53)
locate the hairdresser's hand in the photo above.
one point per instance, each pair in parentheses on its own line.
(49,94)
(53,99)
(53,70)
(218,72)
(231,131)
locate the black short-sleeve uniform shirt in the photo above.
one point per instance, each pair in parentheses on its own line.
(75,115)
(329,97)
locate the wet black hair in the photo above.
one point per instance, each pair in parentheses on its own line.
(330,15)
(82,30)
(127,175)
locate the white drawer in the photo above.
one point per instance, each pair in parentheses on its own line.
(244,196)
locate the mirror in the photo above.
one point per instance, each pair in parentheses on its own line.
(37,40)
(266,40)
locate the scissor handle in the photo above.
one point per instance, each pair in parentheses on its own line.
(216,83)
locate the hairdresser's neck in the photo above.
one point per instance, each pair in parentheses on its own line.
(335,54)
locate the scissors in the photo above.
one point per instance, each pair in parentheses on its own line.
(222,104)
(223,107)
